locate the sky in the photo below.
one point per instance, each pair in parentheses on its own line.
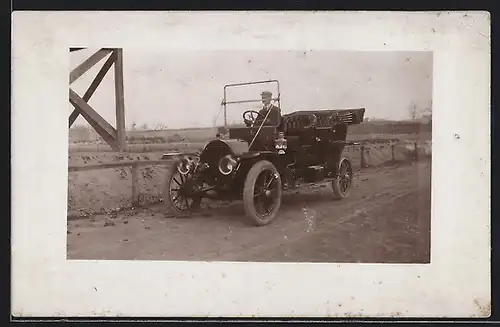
(184,89)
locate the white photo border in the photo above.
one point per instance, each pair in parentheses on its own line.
(455,284)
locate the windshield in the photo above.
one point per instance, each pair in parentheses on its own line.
(242,97)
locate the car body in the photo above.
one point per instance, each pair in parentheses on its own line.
(258,163)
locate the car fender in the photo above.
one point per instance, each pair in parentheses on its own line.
(248,159)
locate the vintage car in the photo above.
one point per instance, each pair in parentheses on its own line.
(258,163)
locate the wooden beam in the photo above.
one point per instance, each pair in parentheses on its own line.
(84,107)
(101,131)
(75,49)
(93,86)
(107,132)
(87,64)
(119,99)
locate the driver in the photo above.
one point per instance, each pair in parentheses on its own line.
(274,117)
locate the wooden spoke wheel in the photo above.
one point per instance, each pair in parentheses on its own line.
(177,198)
(262,193)
(343,182)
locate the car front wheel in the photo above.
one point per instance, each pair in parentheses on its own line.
(175,201)
(262,193)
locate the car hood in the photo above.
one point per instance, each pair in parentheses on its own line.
(238,147)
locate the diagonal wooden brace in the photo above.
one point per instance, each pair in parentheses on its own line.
(87,64)
(93,86)
(76,49)
(102,127)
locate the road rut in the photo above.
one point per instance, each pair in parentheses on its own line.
(385,219)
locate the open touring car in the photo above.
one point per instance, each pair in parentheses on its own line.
(304,147)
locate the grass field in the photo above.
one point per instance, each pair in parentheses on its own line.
(193,139)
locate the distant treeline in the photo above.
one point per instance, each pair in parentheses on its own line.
(148,139)
(203,134)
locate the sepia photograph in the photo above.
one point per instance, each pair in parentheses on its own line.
(301,156)
(214,164)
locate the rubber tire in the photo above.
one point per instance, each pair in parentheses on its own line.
(337,193)
(167,200)
(248,193)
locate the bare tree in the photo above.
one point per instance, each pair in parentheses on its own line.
(412,107)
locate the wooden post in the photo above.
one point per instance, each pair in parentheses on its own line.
(100,125)
(115,138)
(135,185)
(120,102)
(392,152)
(362,164)
(415,153)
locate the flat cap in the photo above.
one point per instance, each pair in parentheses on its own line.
(266,94)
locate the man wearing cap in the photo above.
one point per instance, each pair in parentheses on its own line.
(274,117)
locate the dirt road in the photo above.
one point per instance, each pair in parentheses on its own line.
(386,219)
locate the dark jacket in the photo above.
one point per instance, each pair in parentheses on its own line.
(273,119)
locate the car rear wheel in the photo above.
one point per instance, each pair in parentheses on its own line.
(343,182)
(262,193)
(174,199)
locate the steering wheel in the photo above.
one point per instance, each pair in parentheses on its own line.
(250,113)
